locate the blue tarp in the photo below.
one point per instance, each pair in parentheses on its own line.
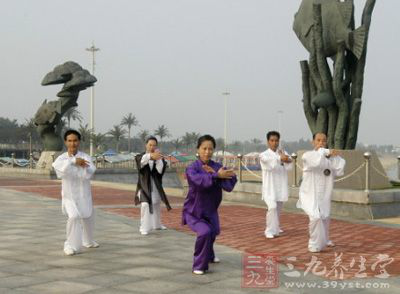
(19,162)
(177,153)
(110,152)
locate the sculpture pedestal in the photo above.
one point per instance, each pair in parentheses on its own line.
(347,203)
(354,181)
(350,197)
(358,204)
(47,158)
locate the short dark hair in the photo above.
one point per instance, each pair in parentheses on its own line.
(206,138)
(151,138)
(313,136)
(273,133)
(73,132)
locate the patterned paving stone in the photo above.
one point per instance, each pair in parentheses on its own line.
(33,231)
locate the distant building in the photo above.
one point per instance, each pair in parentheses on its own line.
(20,150)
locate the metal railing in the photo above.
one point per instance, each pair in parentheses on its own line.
(100,162)
(367,165)
(245,174)
(16,163)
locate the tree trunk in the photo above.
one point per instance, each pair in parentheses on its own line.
(129,140)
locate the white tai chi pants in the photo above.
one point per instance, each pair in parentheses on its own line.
(79,232)
(273,216)
(319,233)
(150,221)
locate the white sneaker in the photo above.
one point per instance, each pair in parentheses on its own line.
(216,260)
(269,236)
(198,272)
(144,233)
(280,231)
(162,228)
(313,250)
(94,244)
(330,244)
(69,251)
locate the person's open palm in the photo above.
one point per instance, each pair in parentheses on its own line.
(225,173)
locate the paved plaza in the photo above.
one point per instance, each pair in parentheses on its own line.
(32,233)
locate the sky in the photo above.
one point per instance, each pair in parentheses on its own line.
(169,61)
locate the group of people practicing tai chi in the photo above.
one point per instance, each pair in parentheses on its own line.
(207,179)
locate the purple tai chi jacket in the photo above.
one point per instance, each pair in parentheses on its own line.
(205,193)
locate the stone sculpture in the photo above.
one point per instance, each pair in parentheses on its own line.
(332,98)
(49,115)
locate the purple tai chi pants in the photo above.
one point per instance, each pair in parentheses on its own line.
(207,228)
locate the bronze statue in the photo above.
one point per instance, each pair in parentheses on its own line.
(332,100)
(49,115)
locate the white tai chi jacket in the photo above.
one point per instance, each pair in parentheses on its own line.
(275,178)
(316,187)
(76,191)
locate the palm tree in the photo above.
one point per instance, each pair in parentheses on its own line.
(219,143)
(29,125)
(29,129)
(162,132)
(143,134)
(117,133)
(255,141)
(177,143)
(85,133)
(72,114)
(194,136)
(98,140)
(61,127)
(187,140)
(129,121)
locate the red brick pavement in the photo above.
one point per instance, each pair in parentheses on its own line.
(101,195)
(242,227)
(4,182)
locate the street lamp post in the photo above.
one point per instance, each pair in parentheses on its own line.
(30,149)
(93,50)
(280,112)
(225,94)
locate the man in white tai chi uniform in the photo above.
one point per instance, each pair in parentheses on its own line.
(75,168)
(275,164)
(149,191)
(320,167)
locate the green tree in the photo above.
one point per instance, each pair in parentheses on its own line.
(176,143)
(30,128)
(29,132)
(98,140)
(129,121)
(162,132)
(72,114)
(194,137)
(255,141)
(220,143)
(143,134)
(117,133)
(61,128)
(9,130)
(187,141)
(85,133)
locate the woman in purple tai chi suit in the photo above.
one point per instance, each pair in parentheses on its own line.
(206,179)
